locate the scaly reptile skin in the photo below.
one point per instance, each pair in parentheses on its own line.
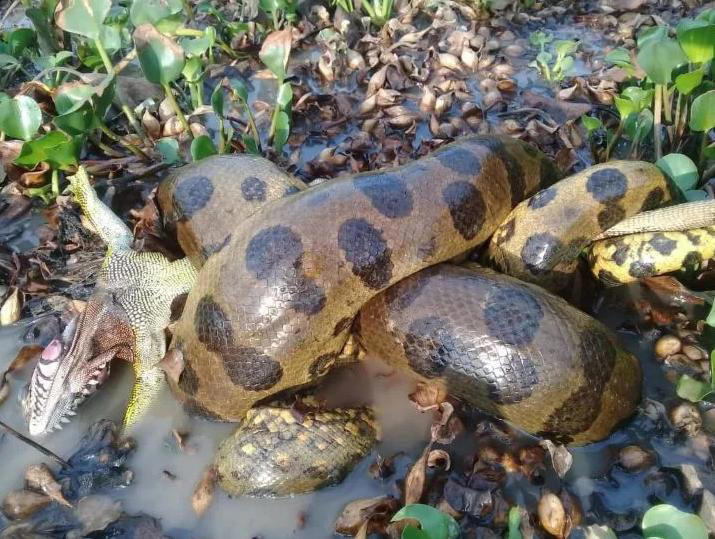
(143,284)
(274,304)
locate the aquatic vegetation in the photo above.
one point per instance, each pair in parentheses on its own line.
(556,63)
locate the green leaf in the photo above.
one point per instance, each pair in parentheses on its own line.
(710,321)
(625,107)
(81,106)
(282,131)
(434,522)
(196,46)
(679,168)
(697,38)
(20,117)
(410,532)
(687,82)
(169,149)
(544,57)
(564,47)
(692,195)
(83,17)
(622,58)
(110,38)
(653,33)
(707,15)
(57,149)
(240,88)
(202,147)
(218,101)
(667,522)
(193,70)
(539,38)
(43,26)
(702,113)
(513,523)
(285,95)
(153,11)
(275,51)
(161,58)
(7,60)
(21,39)
(251,145)
(658,58)
(642,98)
(590,123)
(691,389)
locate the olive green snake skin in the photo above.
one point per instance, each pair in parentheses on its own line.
(286,274)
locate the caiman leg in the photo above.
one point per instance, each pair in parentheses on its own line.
(144,285)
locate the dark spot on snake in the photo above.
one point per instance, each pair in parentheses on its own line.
(213,328)
(253,189)
(610,215)
(459,160)
(321,365)
(214,248)
(539,252)
(306,296)
(692,238)
(189,380)
(548,171)
(542,198)
(388,194)
(606,277)
(511,315)
(505,232)
(620,254)
(400,297)
(607,185)
(466,206)
(514,170)
(177,306)
(428,346)
(640,269)
(662,243)
(427,248)
(582,407)
(272,250)
(653,200)
(342,325)
(191,195)
(251,369)
(192,407)
(693,258)
(367,251)
(290,190)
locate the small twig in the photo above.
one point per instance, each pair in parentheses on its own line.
(151,169)
(35,445)
(8,11)
(124,62)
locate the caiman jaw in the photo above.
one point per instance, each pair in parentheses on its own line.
(71,369)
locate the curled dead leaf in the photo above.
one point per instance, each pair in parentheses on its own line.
(39,477)
(371,513)
(172,364)
(561,459)
(22,503)
(439,458)
(203,493)
(35,178)
(427,396)
(470,58)
(552,515)
(172,127)
(417,478)
(11,308)
(450,61)
(428,100)
(377,81)
(151,125)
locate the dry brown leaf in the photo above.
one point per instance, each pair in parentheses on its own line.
(552,515)
(427,396)
(10,310)
(39,477)
(172,364)
(204,492)
(362,532)
(22,503)
(376,512)
(439,458)
(561,459)
(417,478)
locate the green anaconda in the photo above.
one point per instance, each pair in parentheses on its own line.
(286,274)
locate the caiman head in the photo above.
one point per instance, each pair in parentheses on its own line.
(72,367)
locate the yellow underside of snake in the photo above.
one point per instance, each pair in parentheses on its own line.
(287,273)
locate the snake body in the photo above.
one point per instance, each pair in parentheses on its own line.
(288,272)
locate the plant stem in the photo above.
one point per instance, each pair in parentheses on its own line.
(703,146)
(614,139)
(656,121)
(222,137)
(125,109)
(128,145)
(55,182)
(177,110)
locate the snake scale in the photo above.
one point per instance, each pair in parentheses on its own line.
(286,274)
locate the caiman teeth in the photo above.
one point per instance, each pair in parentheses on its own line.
(65,419)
